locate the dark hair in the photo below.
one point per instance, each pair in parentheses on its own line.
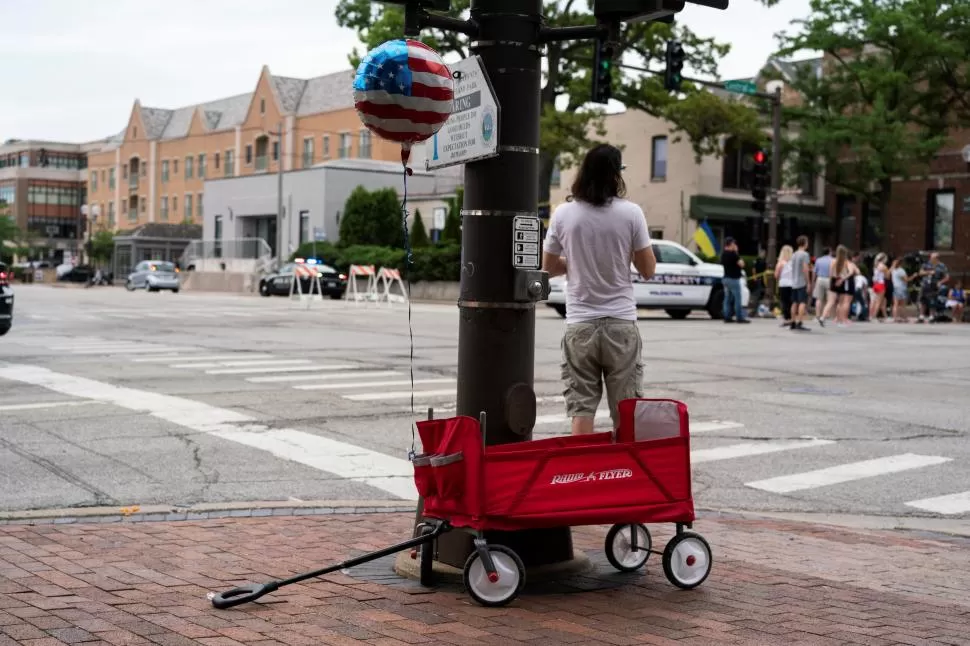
(802,241)
(827,251)
(599,180)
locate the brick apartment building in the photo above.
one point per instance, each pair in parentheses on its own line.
(923,214)
(43,186)
(154,170)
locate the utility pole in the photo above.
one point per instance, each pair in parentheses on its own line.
(772,250)
(496,327)
(279,195)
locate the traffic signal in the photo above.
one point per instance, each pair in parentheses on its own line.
(674,59)
(603,72)
(759,181)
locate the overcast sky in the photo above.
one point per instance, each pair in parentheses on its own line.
(73,68)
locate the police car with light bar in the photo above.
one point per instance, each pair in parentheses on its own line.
(332,282)
(682,283)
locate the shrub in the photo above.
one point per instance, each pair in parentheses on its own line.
(440,263)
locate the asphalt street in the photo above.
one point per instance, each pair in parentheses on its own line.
(114,398)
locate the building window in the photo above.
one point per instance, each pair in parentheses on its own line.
(143,204)
(304,226)
(124,205)
(737,165)
(344,150)
(941,204)
(249,154)
(438,216)
(657,234)
(102,175)
(262,105)
(363,145)
(164,171)
(230,163)
(217,234)
(202,166)
(308,152)
(175,167)
(276,151)
(175,205)
(188,206)
(124,172)
(198,206)
(164,209)
(111,214)
(326,147)
(94,182)
(111,178)
(658,157)
(188,168)
(24,160)
(144,169)
(215,161)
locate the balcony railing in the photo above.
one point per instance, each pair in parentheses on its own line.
(262,163)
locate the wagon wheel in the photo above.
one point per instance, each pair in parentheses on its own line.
(426,563)
(509,581)
(619,547)
(687,560)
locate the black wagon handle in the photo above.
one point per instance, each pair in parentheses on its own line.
(243,594)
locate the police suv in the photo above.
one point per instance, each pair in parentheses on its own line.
(681,283)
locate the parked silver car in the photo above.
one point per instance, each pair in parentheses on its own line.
(153,275)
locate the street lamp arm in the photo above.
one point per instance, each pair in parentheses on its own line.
(447,23)
(576,32)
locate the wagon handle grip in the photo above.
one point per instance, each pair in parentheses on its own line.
(481,424)
(243,594)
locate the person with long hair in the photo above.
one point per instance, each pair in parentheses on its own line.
(900,290)
(879,276)
(783,277)
(592,239)
(844,272)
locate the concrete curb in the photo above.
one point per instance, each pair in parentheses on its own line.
(851,521)
(263,508)
(202,511)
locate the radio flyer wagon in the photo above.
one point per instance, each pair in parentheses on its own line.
(639,474)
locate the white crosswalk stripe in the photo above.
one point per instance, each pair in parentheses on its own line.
(205,357)
(333,375)
(242,364)
(373,384)
(404,394)
(268,369)
(957,503)
(699,456)
(846,473)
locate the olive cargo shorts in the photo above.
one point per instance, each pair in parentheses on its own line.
(602,350)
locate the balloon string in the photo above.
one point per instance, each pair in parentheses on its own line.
(408,259)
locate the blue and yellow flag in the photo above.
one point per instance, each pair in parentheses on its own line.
(706,243)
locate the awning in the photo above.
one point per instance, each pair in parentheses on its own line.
(721,208)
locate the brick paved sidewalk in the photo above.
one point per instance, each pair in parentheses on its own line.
(772,583)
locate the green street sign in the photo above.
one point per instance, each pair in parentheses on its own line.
(741,87)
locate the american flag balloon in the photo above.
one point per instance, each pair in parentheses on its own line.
(403,92)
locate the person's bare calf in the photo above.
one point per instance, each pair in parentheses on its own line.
(583,425)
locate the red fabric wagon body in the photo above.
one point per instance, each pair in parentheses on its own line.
(642,475)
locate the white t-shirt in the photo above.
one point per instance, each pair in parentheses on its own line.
(598,244)
(785,279)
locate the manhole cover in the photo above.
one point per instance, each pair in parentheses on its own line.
(812,390)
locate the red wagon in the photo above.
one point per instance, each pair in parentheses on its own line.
(640,474)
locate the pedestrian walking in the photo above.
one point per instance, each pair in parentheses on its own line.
(900,281)
(934,275)
(733,266)
(822,291)
(879,276)
(592,238)
(800,275)
(783,278)
(844,272)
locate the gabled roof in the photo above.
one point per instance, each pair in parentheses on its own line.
(296,96)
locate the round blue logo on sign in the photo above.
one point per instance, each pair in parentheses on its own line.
(488,124)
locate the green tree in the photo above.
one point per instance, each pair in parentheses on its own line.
(102,246)
(419,235)
(894,84)
(565,124)
(372,218)
(9,231)
(451,234)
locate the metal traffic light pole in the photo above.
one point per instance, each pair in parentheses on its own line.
(496,328)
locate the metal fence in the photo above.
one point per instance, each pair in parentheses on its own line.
(244,255)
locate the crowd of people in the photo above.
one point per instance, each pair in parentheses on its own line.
(841,289)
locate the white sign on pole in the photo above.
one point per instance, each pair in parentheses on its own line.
(319,235)
(471,132)
(525,242)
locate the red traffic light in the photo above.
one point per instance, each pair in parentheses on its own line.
(759,157)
